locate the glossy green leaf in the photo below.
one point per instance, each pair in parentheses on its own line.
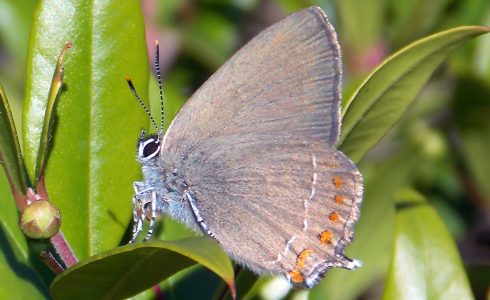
(385,95)
(426,262)
(10,155)
(127,270)
(91,164)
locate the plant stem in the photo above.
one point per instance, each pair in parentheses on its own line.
(64,250)
(48,259)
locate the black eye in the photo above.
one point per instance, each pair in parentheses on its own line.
(149,148)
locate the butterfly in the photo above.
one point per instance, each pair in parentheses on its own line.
(250,160)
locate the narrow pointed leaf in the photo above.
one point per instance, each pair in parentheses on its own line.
(54,92)
(90,166)
(426,262)
(387,92)
(10,155)
(128,270)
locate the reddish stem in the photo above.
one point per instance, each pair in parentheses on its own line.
(157,291)
(20,199)
(230,286)
(41,187)
(31,196)
(64,250)
(48,259)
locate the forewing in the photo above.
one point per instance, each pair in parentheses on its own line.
(284,83)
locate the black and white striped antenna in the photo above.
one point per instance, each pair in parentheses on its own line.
(156,62)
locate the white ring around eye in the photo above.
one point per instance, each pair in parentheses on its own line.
(142,146)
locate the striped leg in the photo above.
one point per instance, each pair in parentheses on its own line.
(137,218)
(197,214)
(153,215)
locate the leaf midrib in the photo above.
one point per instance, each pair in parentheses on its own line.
(90,197)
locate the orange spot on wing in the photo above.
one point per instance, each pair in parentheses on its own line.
(325,237)
(334,217)
(337,182)
(296,276)
(339,199)
(300,260)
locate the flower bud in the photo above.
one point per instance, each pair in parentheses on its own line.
(40,220)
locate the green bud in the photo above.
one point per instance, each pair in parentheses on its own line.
(40,220)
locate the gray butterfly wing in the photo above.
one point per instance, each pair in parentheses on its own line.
(277,208)
(285,82)
(252,149)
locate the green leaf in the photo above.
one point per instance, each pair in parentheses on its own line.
(91,164)
(385,95)
(10,155)
(426,263)
(127,270)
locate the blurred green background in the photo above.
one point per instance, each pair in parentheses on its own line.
(441,147)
